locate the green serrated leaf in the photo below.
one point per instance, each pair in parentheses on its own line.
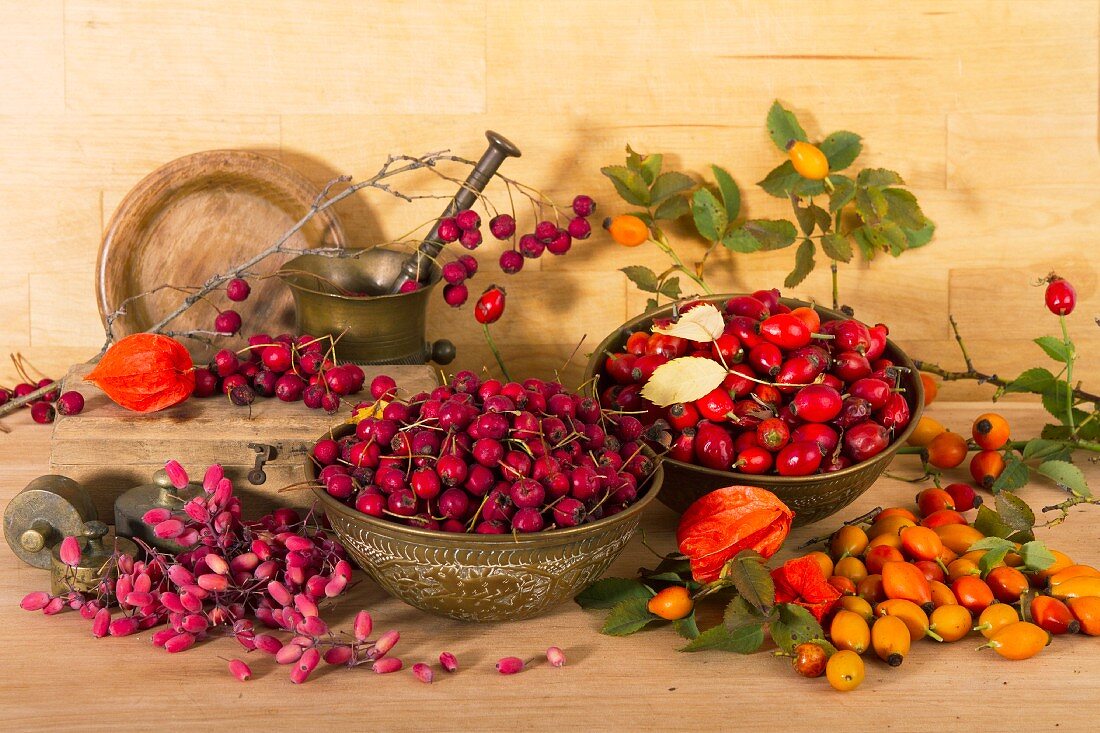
(669,577)
(992,543)
(920,237)
(806,187)
(903,209)
(731,194)
(739,240)
(878,177)
(771,233)
(673,208)
(1055,348)
(1036,556)
(836,247)
(1014,511)
(1057,399)
(687,627)
(709,215)
(803,264)
(841,148)
(642,276)
(628,616)
(1056,432)
(751,579)
(608,592)
(648,166)
(989,523)
(783,126)
(793,626)
(805,218)
(651,305)
(629,183)
(821,217)
(1066,475)
(844,190)
(744,640)
(739,612)
(886,236)
(781,180)
(870,204)
(866,247)
(1046,450)
(993,558)
(1035,380)
(1014,476)
(669,184)
(671,288)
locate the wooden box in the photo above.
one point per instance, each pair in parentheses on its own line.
(109,449)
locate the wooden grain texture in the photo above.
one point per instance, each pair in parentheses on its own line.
(629,684)
(987,108)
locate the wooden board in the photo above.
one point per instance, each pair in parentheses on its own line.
(637,683)
(197,216)
(109,449)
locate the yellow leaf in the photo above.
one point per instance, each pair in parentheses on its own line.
(363,413)
(702,323)
(683,380)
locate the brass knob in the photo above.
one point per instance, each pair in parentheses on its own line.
(37,536)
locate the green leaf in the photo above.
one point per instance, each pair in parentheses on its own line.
(803,264)
(1014,511)
(651,305)
(671,288)
(648,166)
(1014,476)
(739,240)
(871,204)
(771,233)
(989,523)
(1035,380)
(866,247)
(992,558)
(844,190)
(744,640)
(739,612)
(752,580)
(783,126)
(992,543)
(805,218)
(781,180)
(821,217)
(1036,556)
(1055,348)
(878,177)
(1046,450)
(887,236)
(1056,432)
(903,209)
(806,187)
(731,194)
(642,276)
(669,184)
(609,592)
(794,626)
(836,247)
(687,627)
(629,183)
(920,237)
(672,208)
(627,617)
(1057,399)
(710,216)
(841,148)
(1066,475)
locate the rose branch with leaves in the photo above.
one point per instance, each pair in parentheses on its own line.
(869,211)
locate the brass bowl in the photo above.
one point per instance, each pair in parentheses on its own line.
(378,328)
(811,498)
(482,577)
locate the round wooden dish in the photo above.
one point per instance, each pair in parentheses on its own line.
(195,217)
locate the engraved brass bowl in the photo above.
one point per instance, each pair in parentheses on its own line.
(811,498)
(482,577)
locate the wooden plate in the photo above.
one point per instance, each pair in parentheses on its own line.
(197,216)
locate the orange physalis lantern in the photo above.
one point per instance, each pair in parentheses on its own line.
(145,372)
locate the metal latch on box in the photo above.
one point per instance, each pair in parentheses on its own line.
(264,453)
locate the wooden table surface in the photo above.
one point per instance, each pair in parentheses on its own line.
(56,676)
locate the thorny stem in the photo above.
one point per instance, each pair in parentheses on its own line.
(1064,508)
(1070,358)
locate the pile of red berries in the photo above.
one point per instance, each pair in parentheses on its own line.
(801,396)
(286,367)
(547,236)
(487,457)
(53,402)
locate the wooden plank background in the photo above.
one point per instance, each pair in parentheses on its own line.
(988,108)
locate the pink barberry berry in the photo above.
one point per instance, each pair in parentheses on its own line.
(423,673)
(510,665)
(555,656)
(240,670)
(448,661)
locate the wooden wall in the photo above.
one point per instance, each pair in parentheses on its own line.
(988,108)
